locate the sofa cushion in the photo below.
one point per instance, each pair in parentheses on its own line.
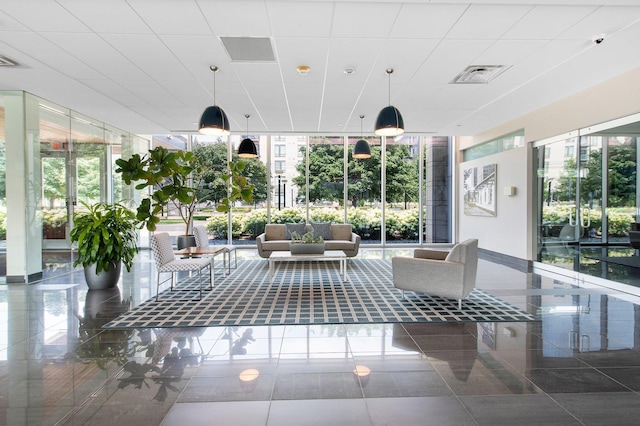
(322,229)
(338,245)
(341,231)
(300,228)
(274,232)
(276,245)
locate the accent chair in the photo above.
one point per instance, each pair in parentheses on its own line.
(450,274)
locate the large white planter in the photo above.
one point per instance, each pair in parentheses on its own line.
(306,248)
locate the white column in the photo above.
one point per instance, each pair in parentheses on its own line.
(24,189)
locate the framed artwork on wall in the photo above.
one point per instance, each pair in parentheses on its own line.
(479,190)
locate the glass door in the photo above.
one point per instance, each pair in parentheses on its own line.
(560,226)
(588,191)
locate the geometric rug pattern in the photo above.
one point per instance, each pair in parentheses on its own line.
(310,293)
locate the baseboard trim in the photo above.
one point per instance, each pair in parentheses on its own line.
(522,265)
(19,279)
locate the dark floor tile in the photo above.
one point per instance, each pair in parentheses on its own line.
(483,381)
(236,413)
(628,376)
(393,362)
(611,358)
(348,412)
(427,329)
(405,384)
(602,408)
(460,342)
(317,386)
(573,380)
(521,410)
(524,359)
(228,388)
(123,415)
(425,411)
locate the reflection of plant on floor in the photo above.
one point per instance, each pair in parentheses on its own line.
(103,345)
(168,356)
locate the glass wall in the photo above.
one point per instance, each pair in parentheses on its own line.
(301,178)
(588,200)
(68,159)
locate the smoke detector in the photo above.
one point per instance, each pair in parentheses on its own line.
(479,74)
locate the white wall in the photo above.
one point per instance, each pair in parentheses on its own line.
(511,232)
(502,233)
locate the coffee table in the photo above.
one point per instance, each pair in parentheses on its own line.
(211,251)
(328,255)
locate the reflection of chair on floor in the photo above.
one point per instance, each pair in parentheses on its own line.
(461,349)
(167,262)
(202,239)
(185,339)
(449,274)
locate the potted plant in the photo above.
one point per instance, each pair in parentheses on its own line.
(175,178)
(307,243)
(107,238)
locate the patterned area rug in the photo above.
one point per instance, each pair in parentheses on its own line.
(310,293)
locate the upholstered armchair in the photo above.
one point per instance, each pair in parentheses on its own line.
(450,274)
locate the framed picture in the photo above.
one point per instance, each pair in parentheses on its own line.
(479,190)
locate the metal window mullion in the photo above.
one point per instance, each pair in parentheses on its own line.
(383,187)
(345,178)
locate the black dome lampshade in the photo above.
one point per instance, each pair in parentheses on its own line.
(361,149)
(247,148)
(213,120)
(389,121)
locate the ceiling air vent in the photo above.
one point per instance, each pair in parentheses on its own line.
(479,74)
(6,62)
(249,49)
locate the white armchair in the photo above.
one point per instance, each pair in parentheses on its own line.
(450,274)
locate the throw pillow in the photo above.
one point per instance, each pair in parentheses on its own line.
(300,228)
(341,231)
(322,229)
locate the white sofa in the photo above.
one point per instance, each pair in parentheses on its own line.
(450,274)
(275,238)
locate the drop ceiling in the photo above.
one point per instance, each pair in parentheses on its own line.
(143,65)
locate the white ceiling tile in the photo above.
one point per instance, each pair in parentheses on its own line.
(236,18)
(419,20)
(508,52)
(43,15)
(482,21)
(172,17)
(156,61)
(300,19)
(363,19)
(605,19)
(546,22)
(113,16)
(98,54)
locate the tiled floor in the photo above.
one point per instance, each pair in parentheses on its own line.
(579,365)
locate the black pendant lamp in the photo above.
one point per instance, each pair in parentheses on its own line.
(213,120)
(389,122)
(247,148)
(361,148)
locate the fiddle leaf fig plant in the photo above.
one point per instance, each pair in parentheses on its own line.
(106,234)
(175,178)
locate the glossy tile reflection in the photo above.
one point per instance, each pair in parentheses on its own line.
(579,365)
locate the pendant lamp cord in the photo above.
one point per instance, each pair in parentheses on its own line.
(361,117)
(247,117)
(215,70)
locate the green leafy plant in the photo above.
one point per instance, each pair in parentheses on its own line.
(306,238)
(106,234)
(175,178)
